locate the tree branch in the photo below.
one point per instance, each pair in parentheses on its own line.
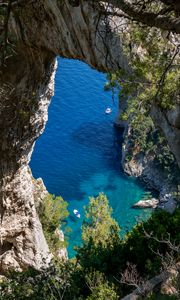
(148,18)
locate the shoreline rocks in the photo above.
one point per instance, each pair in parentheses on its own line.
(149,203)
(143,166)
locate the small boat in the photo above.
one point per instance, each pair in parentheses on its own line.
(108,110)
(77,214)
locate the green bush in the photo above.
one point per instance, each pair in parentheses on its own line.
(140,250)
(53,214)
(100,236)
(102,258)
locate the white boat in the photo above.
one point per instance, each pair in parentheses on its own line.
(108,110)
(77,214)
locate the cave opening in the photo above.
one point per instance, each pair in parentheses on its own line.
(79,154)
(6,246)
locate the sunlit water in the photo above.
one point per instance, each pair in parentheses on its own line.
(79,153)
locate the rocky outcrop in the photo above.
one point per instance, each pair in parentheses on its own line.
(149,203)
(39,31)
(40,193)
(143,165)
(169,123)
(61,253)
(22,120)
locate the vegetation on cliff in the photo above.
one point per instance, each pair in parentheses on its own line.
(99,270)
(154,82)
(52,216)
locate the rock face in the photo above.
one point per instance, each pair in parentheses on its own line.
(22,120)
(41,30)
(40,193)
(61,253)
(144,166)
(149,203)
(169,123)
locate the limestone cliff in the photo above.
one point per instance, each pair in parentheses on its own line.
(41,30)
(22,118)
(169,122)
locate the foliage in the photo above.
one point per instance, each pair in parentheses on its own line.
(162,14)
(99,226)
(150,141)
(49,284)
(154,80)
(144,138)
(110,255)
(52,216)
(100,235)
(142,132)
(155,75)
(96,273)
(100,288)
(177,193)
(140,250)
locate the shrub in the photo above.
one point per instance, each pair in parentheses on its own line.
(52,217)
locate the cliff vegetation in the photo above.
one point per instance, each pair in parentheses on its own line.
(137,42)
(106,266)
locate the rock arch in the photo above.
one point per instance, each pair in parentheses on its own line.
(42,30)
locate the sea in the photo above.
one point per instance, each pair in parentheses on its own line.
(79,154)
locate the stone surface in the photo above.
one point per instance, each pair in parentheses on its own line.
(144,166)
(169,123)
(149,203)
(22,240)
(39,192)
(61,253)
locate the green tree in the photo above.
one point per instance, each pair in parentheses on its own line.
(101,241)
(141,250)
(53,214)
(99,226)
(100,287)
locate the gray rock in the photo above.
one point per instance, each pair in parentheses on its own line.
(169,123)
(61,253)
(150,203)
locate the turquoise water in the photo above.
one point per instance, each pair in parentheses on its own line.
(79,153)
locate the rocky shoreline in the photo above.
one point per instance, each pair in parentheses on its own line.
(153,179)
(143,167)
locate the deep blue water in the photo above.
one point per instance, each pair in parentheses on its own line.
(79,153)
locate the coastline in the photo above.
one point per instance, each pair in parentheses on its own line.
(143,167)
